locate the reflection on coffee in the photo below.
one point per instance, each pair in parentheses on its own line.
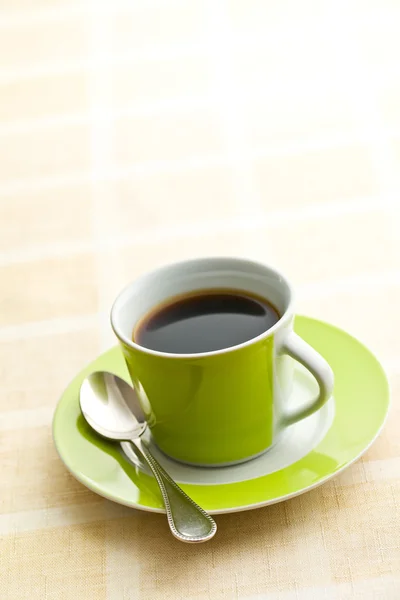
(205,321)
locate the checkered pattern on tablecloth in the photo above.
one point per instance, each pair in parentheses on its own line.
(136,133)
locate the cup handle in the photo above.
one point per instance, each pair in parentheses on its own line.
(298,349)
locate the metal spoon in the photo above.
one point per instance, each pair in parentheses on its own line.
(112,408)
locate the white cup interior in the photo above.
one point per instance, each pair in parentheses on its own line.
(152,289)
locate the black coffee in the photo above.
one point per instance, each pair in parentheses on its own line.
(204,321)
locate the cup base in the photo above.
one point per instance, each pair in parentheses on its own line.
(219,465)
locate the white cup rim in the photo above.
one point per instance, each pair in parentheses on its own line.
(127,291)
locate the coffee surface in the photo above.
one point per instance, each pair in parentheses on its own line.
(205,321)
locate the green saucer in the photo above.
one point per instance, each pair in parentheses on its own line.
(361,399)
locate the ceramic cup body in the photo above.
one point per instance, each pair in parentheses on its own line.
(225,406)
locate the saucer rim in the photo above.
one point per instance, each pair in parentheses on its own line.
(95,487)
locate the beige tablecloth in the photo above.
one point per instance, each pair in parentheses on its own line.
(133,133)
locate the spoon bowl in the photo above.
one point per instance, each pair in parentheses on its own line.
(111,407)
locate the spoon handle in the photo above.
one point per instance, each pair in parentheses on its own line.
(188,522)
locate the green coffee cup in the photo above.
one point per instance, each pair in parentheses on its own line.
(225,406)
